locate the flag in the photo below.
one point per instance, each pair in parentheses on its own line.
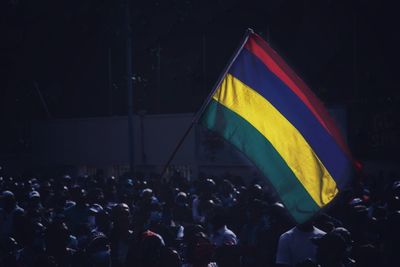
(268,113)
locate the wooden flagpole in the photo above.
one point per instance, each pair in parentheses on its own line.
(208,99)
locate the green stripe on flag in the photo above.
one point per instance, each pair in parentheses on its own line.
(259,150)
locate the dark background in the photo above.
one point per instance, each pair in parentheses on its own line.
(69,56)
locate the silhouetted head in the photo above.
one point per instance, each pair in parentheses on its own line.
(219,218)
(56,237)
(331,249)
(8,201)
(151,246)
(367,256)
(208,187)
(78,194)
(170,257)
(200,251)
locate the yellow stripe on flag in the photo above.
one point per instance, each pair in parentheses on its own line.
(285,138)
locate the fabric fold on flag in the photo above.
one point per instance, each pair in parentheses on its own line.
(260,108)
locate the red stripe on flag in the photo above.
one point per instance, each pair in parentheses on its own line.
(278,66)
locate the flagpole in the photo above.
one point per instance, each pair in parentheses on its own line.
(129,85)
(223,74)
(208,99)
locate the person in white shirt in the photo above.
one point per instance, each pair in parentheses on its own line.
(295,245)
(221,235)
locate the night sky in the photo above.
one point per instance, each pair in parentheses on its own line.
(62,54)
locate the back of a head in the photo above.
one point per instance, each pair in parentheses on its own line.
(190,232)
(345,234)
(200,250)
(367,256)
(8,245)
(208,186)
(57,235)
(331,249)
(170,258)
(8,200)
(78,194)
(219,218)
(228,256)
(257,192)
(151,246)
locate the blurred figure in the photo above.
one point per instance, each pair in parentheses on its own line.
(9,252)
(228,256)
(200,252)
(295,245)
(221,235)
(121,236)
(150,250)
(391,240)
(367,256)
(34,245)
(307,263)
(278,223)
(100,219)
(254,235)
(228,193)
(331,250)
(10,215)
(99,251)
(200,203)
(170,257)
(181,210)
(56,239)
(359,223)
(34,202)
(346,235)
(78,214)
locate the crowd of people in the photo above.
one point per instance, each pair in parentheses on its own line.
(205,222)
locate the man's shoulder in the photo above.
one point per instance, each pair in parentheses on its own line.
(318,232)
(229,232)
(288,233)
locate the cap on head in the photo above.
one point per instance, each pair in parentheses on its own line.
(67,179)
(181,198)
(7,194)
(34,194)
(147,193)
(121,210)
(97,242)
(209,185)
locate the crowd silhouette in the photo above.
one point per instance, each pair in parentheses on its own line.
(147,221)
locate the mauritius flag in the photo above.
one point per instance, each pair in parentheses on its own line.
(268,113)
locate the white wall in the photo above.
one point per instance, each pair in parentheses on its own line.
(103,142)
